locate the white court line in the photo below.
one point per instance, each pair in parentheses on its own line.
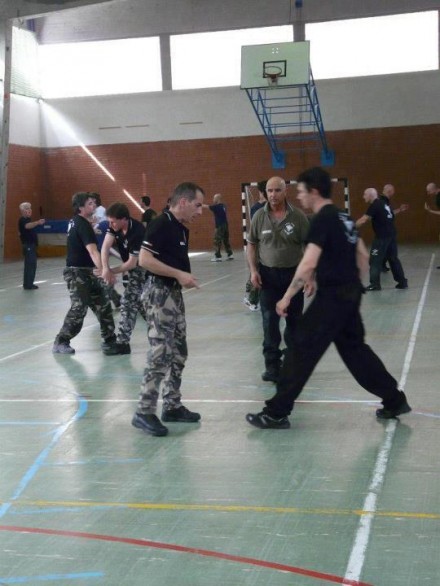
(214,401)
(362,538)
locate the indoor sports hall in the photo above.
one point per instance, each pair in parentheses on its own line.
(339,498)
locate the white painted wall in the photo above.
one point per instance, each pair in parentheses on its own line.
(355,103)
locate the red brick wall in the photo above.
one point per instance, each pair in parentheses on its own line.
(24,183)
(406,157)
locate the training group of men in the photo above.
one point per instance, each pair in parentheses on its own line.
(289,255)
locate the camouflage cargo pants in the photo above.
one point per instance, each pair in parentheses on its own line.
(167,353)
(131,304)
(85,291)
(221,236)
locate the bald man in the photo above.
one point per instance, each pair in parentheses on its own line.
(221,232)
(382,219)
(388,192)
(275,247)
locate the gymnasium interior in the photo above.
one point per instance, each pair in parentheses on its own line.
(128,98)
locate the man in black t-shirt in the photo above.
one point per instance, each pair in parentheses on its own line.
(383,246)
(333,260)
(85,288)
(29,243)
(126,234)
(149,214)
(164,254)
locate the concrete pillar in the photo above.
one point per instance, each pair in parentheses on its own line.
(5,76)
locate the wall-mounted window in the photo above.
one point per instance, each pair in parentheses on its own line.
(374,46)
(213,59)
(122,66)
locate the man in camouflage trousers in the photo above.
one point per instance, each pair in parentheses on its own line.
(86,289)
(127,234)
(164,254)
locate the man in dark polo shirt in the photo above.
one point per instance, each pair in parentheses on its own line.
(126,234)
(164,254)
(383,246)
(277,238)
(29,243)
(85,288)
(333,261)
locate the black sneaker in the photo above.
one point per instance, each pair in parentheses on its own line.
(402,285)
(265,421)
(149,423)
(385,413)
(116,348)
(181,415)
(270,375)
(373,288)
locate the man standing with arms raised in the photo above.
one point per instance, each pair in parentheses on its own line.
(164,254)
(277,238)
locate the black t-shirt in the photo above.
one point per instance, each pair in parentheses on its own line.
(148,215)
(27,236)
(167,239)
(382,219)
(79,234)
(335,233)
(129,243)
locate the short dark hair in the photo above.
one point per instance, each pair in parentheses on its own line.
(96,197)
(79,200)
(186,190)
(261,186)
(146,200)
(317,178)
(118,210)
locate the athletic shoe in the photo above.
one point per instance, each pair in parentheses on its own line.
(385,413)
(31,288)
(254,307)
(402,285)
(270,375)
(116,349)
(216,259)
(180,414)
(265,421)
(62,348)
(373,288)
(230,257)
(149,423)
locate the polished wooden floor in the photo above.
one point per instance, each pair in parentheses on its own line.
(340,498)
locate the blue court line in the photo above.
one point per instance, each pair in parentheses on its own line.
(32,579)
(38,463)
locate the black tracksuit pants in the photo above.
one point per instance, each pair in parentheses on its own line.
(333,316)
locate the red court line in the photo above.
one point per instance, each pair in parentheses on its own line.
(192,550)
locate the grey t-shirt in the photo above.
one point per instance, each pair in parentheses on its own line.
(279,244)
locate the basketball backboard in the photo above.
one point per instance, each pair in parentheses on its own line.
(280,64)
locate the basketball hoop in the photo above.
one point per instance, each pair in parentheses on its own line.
(272,73)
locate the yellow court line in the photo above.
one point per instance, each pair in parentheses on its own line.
(227,508)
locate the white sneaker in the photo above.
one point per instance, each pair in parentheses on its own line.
(253,307)
(216,259)
(246,301)
(230,257)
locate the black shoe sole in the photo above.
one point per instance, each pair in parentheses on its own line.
(151,430)
(168,419)
(393,413)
